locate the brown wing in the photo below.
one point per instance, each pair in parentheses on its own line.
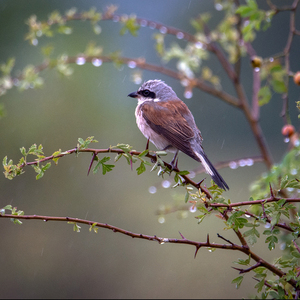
(174,121)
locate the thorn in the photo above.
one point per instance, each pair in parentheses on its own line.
(221,237)
(200,182)
(147,145)
(197,249)
(240,270)
(176,164)
(207,239)
(91,163)
(182,236)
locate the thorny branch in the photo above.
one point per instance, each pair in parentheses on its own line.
(160,240)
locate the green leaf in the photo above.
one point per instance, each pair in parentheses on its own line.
(244,11)
(278,86)
(264,95)
(244,262)
(284,182)
(84,144)
(272,239)
(295,254)
(144,153)
(23,151)
(106,168)
(260,285)
(238,281)
(141,169)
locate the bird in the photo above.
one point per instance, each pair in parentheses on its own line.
(168,123)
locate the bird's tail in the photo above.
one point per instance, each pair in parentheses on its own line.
(210,169)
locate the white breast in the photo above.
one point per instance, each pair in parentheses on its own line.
(158,140)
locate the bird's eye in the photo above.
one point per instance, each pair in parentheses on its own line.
(146,93)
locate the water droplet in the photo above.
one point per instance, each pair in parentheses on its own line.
(242,163)
(282,246)
(161,220)
(192,174)
(247,216)
(286,140)
(152,189)
(296,143)
(193,209)
(152,25)
(257,69)
(143,23)
(164,240)
(116,18)
(131,64)
(163,30)
(80,60)
(180,35)
(34,42)
(267,225)
(166,184)
(294,171)
(289,189)
(249,162)
(188,94)
(199,45)
(39,33)
(233,165)
(218,6)
(97,62)
(271,59)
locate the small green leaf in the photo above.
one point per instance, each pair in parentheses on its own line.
(186,198)
(244,262)
(238,281)
(260,285)
(144,153)
(264,95)
(141,169)
(278,86)
(23,151)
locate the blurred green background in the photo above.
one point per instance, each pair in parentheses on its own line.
(49,260)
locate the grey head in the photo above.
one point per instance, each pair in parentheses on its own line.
(155,89)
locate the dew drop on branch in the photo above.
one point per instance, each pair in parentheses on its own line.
(97,62)
(80,60)
(180,35)
(131,64)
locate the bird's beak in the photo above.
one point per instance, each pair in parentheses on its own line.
(133,95)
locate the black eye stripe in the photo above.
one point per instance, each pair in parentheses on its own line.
(147,94)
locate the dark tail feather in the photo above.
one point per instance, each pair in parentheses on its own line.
(210,169)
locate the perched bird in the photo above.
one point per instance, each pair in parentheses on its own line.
(167,122)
